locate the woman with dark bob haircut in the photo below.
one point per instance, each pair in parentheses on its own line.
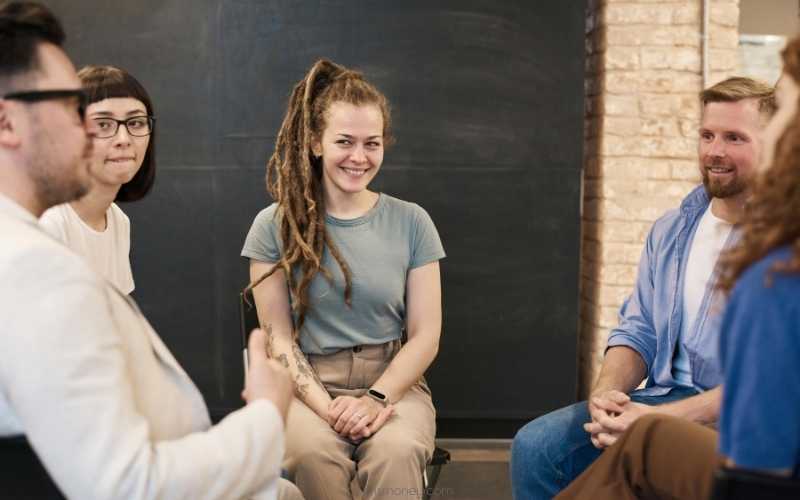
(121,120)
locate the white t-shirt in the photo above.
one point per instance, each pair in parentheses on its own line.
(709,241)
(108,252)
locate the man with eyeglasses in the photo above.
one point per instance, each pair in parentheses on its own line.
(83,376)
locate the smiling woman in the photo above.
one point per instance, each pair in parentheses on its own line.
(341,275)
(122,166)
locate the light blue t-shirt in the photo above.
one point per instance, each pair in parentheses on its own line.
(380,248)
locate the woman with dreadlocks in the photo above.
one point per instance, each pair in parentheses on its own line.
(667,457)
(340,275)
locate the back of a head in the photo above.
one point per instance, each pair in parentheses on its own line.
(23,26)
(739,88)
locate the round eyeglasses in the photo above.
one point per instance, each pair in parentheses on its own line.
(137,126)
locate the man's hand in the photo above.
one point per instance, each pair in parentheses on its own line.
(266,378)
(357,418)
(613,420)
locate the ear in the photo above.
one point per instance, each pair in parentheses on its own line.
(9,132)
(316,148)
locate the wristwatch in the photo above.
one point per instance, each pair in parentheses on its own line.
(378,396)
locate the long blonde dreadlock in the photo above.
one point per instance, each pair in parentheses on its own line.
(294,177)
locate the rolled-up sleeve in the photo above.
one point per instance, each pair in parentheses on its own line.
(635,329)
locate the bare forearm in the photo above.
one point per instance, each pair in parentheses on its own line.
(623,370)
(408,366)
(703,408)
(307,386)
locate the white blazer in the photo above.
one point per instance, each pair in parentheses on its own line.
(101,399)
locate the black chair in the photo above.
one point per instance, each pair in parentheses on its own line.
(248,320)
(737,484)
(22,474)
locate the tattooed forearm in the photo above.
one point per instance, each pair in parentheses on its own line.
(300,389)
(303,367)
(284,360)
(270,341)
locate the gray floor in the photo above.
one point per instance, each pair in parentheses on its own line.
(478,471)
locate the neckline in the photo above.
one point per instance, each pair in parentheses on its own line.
(87,226)
(330,219)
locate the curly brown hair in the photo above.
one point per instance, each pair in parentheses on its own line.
(772,218)
(294,177)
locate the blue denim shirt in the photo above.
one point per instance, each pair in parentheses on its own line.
(650,319)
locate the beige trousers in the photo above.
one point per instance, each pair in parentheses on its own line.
(389,464)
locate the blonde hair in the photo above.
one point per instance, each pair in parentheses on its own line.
(738,88)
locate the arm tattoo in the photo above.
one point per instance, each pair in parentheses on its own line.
(300,389)
(303,367)
(284,360)
(270,340)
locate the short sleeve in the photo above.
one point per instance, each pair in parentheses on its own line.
(262,242)
(426,244)
(124,271)
(761,395)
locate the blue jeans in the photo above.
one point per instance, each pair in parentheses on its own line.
(552,450)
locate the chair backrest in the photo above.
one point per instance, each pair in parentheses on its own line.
(737,484)
(22,474)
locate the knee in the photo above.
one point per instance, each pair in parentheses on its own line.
(647,426)
(316,451)
(288,491)
(400,448)
(532,439)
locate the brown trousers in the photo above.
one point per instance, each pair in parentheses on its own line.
(657,458)
(389,464)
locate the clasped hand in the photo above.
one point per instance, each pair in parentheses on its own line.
(612,413)
(357,418)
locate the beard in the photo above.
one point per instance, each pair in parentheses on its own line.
(722,188)
(54,188)
(57,180)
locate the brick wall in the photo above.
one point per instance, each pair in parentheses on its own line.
(643,72)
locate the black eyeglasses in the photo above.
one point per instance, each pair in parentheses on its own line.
(137,126)
(46,95)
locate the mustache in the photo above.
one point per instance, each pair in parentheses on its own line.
(718,162)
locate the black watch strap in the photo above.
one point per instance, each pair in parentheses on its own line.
(378,396)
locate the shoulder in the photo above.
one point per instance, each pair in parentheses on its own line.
(58,213)
(664,229)
(267,217)
(115,214)
(667,227)
(35,254)
(55,219)
(404,209)
(762,283)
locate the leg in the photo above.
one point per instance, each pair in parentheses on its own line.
(658,457)
(288,491)
(391,463)
(551,451)
(317,459)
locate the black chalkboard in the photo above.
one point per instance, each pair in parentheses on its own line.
(488,113)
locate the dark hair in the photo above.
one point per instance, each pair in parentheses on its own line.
(294,176)
(106,82)
(23,26)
